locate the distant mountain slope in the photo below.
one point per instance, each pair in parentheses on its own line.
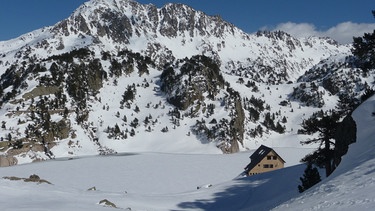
(173,32)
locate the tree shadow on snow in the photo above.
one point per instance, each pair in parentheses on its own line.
(259,192)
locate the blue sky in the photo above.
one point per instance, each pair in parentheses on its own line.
(333,18)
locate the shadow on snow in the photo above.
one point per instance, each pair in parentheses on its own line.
(259,192)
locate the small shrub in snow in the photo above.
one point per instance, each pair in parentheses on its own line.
(164,130)
(204,186)
(107,203)
(92,189)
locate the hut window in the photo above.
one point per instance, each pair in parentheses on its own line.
(268,157)
(274,157)
(266,166)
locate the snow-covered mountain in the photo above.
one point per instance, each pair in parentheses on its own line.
(119,76)
(173,32)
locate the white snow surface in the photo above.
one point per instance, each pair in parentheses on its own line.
(166,181)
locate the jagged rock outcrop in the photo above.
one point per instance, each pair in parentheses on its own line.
(195,78)
(189,84)
(346,134)
(6,161)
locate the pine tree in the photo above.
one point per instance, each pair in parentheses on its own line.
(137,109)
(268,122)
(132,132)
(134,123)
(364,50)
(325,125)
(128,95)
(254,114)
(284,120)
(279,128)
(346,104)
(117,129)
(66,112)
(309,179)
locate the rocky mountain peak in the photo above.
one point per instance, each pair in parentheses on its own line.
(100,19)
(177,19)
(119,20)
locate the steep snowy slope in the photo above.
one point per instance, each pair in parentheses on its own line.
(351,186)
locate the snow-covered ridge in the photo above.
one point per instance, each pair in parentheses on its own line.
(177,31)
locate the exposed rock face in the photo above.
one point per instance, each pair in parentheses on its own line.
(177,19)
(189,84)
(119,28)
(107,203)
(7,161)
(237,124)
(198,76)
(346,134)
(40,91)
(32,178)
